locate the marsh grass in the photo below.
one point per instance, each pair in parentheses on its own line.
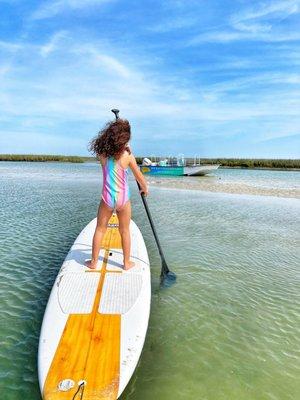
(40,158)
(225,162)
(243,162)
(252,162)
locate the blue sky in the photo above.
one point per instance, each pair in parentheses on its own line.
(213,78)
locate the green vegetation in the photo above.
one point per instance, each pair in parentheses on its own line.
(225,162)
(139,160)
(89,159)
(241,162)
(252,162)
(40,157)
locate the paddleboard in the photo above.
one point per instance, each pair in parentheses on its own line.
(95,322)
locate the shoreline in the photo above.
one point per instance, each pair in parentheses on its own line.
(224,187)
(262,168)
(225,163)
(95,162)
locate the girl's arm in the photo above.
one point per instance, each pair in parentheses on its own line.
(138,175)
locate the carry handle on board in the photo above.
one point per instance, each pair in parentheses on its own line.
(167,277)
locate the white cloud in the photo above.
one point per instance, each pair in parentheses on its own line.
(28,142)
(79,82)
(282,129)
(256,23)
(173,24)
(269,81)
(230,36)
(110,63)
(253,27)
(9,46)
(50,8)
(92,81)
(260,20)
(275,9)
(53,43)
(4,69)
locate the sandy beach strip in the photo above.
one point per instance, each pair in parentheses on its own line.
(209,184)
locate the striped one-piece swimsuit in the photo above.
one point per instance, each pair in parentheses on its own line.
(115,191)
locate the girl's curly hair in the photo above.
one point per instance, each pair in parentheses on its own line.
(112,140)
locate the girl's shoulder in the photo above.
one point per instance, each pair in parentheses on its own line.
(125,158)
(126,153)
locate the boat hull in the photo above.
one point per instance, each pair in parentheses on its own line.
(200,170)
(197,170)
(163,170)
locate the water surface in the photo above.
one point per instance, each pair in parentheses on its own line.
(229,329)
(279,183)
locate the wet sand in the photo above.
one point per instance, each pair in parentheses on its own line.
(219,185)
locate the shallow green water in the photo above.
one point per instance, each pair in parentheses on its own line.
(230,327)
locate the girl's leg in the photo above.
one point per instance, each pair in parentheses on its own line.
(104,214)
(124,216)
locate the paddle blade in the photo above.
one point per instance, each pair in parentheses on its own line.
(168,280)
(167,277)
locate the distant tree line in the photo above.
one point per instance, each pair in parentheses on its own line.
(225,162)
(242,162)
(40,157)
(252,162)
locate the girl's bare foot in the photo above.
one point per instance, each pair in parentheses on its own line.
(91,264)
(128,265)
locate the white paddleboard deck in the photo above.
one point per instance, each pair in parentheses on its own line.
(95,321)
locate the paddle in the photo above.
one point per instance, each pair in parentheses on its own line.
(167,277)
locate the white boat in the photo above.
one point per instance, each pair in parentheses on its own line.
(177,168)
(95,321)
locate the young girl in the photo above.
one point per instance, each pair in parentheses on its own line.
(111,148)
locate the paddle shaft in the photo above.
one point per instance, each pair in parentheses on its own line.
(165,268)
